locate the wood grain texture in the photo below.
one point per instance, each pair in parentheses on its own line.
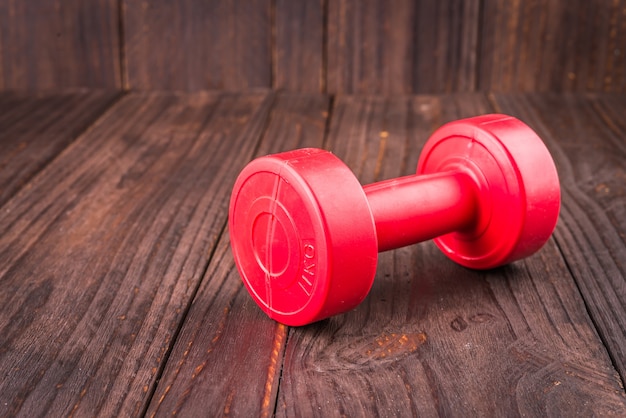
(401,46)
(331,46)
(119,295)
(545,45)
(197,45)
(59,44)
(298,57)
(433,338)
(101,256)
(369,46)
(445,43)
(34,129)
(585,136)
(228,357)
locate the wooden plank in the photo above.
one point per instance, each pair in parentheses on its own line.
(369,47)
(402,46)
(433,338)
(197,45)
(545,45)
(445,43)
(585,136)
(34,129)
(228,357)
(101,256)
(59,44)
(299,50)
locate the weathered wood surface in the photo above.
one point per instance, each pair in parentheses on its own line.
(228,357)
(377,46)
(298,57)
(119,295)
(586,138)
(315,46)
(197,45)
(35,129)
(437,339)
(380,47)
(59,44)
(102,254)
(546,45)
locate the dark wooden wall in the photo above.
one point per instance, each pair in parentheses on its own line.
(56,44)
(328,46)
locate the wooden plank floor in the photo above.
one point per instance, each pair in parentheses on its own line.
(119,295)
(34,129)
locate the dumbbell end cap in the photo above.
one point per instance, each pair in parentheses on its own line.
(302,236)
(517,188)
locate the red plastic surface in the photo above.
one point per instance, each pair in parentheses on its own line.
(418,208)
(305,234)
(302,235)
(516,188)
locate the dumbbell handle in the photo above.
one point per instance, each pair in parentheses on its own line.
(417,208)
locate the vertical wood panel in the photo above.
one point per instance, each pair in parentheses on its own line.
(340,46)
(369,46)
(299,49)
(401,46)
(445,40)
(544,45)
(59,44)
(194,45)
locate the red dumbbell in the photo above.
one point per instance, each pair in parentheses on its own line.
(305,234)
